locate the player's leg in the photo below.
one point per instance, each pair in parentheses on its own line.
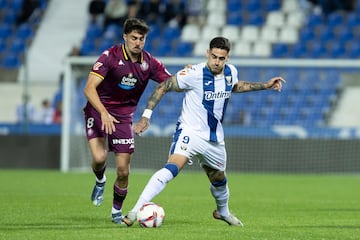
(98,152)
(96,140)
(214,164)
(120,185)
(220,191)
(121,142)
(157,184)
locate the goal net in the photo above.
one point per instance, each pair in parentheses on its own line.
(290,131)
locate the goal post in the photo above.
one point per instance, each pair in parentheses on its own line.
(75,153)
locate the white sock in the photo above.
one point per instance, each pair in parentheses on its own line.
(155,185)
(101,180)
(221,195)
(114,210)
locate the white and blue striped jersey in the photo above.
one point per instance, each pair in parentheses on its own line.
(205,100)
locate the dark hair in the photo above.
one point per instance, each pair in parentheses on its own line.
(220,42)
(136,24)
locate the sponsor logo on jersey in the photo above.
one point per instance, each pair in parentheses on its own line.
(124,141)
(127,82)
(208,83)
(121,62)
(216,95)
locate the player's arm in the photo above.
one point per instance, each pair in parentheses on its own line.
(107,121)
(169,85)
(274,83)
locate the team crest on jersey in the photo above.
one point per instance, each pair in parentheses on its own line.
(144,66)
(228,80)
(127,82)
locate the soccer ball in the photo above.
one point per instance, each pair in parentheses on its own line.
(150,215)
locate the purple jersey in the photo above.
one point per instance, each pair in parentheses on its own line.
(124,81)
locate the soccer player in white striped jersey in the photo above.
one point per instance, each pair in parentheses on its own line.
(199,133)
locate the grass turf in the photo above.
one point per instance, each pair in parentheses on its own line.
(52,205)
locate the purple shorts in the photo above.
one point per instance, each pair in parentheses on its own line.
(120,141)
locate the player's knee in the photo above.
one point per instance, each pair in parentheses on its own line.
(122,173)
(99,158)
(173,168)
(219,183)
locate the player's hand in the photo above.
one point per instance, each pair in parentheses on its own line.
(141,126)
(108,123)
(275,83)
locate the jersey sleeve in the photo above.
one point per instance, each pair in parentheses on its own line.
(159,72)
(184,77)
(234,73)
(102,65)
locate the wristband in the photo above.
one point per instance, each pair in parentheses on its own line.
(147,113)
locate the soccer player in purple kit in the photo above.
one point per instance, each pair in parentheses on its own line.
(113,89)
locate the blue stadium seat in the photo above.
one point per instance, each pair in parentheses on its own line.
(271,5)
(16,5)
(24,31)
(344,34)
(2,45)
(255,18)
(154,33)
(335,49)
(5,30)
(316,49)
(314,20)
(12,61)
(307,34)
(171,33)
(352,20)
(183,49)
(299,50)
(353,50)
(105,44)
(335,19)
(324,33)
(88,48)
(93,32)
(251,6)
(309,75)
(115,28)
(233,6)
(280,50)
(164,48)
(10,16)
(3,4)
(234,18)
(18,46)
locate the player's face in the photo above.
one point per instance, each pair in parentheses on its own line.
(134,42)
(216,60)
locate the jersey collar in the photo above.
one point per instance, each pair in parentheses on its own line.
(140,59)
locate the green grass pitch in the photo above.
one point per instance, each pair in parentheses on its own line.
(52,205)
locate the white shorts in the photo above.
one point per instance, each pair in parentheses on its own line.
(189,144)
